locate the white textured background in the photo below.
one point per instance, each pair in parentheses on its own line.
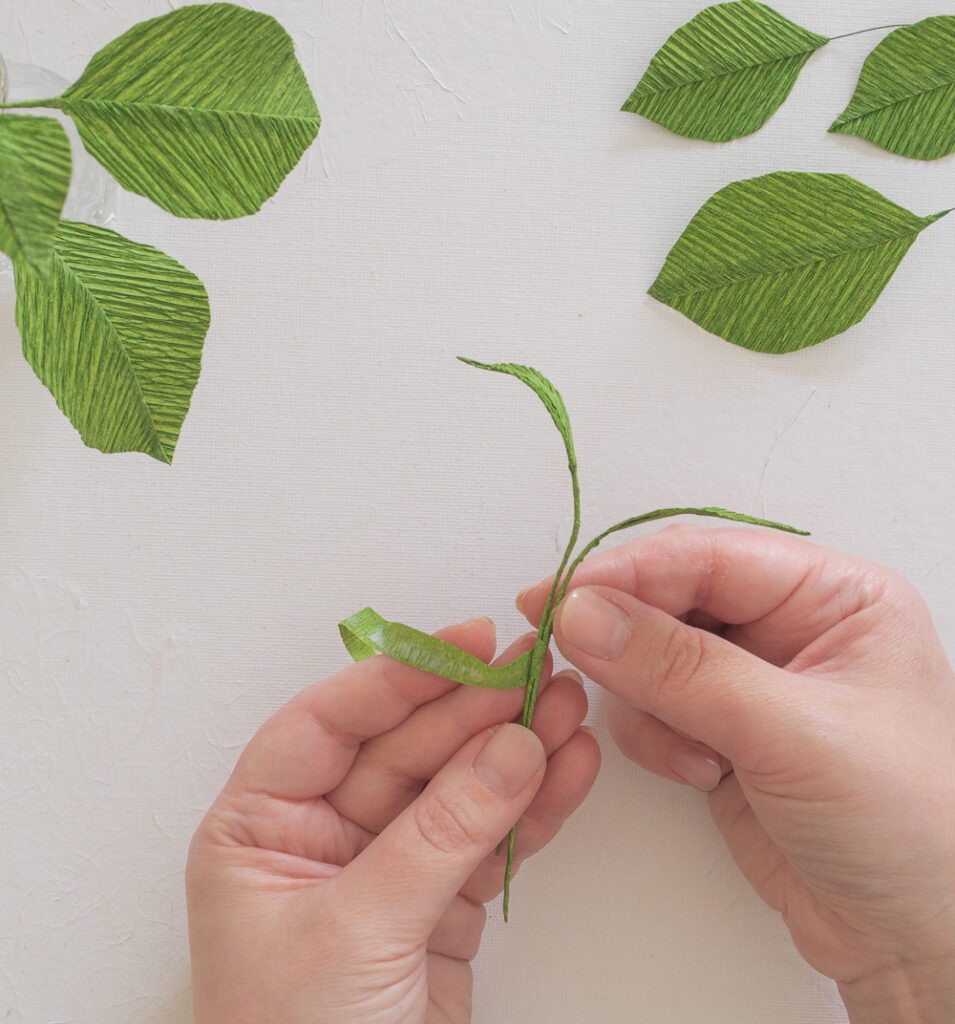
(474,190)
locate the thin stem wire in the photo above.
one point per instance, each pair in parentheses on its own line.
(862,31)
(28,103)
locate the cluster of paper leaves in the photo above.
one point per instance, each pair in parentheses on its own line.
(366,633)
(787,260)
(725,72)
(204,111)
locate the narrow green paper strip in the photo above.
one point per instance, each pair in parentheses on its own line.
(725,72)
(905,97)
(35,167)
(787,260)
(366,633)
(204,110)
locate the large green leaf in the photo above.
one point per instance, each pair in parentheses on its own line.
(786,260)
(905,97)
(725,72)
(115,332)
(35,166)
(204,110)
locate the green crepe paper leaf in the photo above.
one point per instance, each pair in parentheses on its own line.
(366,633)
(35,167)
(115,332)
(905,97)
(204,110)
(725,72)
(786,260)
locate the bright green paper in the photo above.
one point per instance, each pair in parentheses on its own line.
(115,332)
(905,97)
(366,633)
(787,260)
(35,167)
(204,110)
(725,72)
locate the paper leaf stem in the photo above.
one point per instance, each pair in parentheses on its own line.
(366,633)
(905,97)
(786,260)
(35,167)
(115,332)
(725,72)
(204,110)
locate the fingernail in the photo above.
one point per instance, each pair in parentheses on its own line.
(510,759)
(519,600)
(482,618)
(695,768)
(593,625)
(589,729)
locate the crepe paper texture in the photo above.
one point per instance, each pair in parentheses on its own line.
(787,260)
(366,633)
(115,331)
(204,110)
(35,167)
(725,72)
(905,98)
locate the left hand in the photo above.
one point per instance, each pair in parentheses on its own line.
(341,874)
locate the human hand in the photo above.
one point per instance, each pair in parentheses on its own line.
(341,873)
(809,693)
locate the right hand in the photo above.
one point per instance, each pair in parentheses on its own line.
(810,693)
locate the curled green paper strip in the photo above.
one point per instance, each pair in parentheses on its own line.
(905,98)
(366,633)
(725,72)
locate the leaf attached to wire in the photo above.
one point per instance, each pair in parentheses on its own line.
(725,72)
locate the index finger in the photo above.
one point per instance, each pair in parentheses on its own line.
(775,593)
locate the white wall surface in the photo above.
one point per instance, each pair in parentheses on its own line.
(474,190)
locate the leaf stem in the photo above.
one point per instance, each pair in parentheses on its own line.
(28,103)
(862,31)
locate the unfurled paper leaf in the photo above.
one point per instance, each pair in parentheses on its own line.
(366,633)
(725,72)
(115,332)
(787,260)
(204,110)
(35,165)
(905,98)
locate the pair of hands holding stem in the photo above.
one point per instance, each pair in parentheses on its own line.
(342,872)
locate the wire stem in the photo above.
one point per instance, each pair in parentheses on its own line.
(862,31)
(27,103)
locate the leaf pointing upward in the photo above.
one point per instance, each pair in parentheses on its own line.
(786,260)
(725,72)
(204,110)
(905,98)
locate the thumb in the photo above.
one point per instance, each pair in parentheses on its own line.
(695,681)
(414,869)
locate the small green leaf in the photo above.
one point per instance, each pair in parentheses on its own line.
(786,260)
(115,332)
(35,166)
(366,633)
(204,110)
(725,72)
(905,97)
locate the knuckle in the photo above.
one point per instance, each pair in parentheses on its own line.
(678,663)
(444,822)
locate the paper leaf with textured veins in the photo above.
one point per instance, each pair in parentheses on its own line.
(725,72)
(204,110)
(35,166)
(115,332)
(905,97)
(787,260)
